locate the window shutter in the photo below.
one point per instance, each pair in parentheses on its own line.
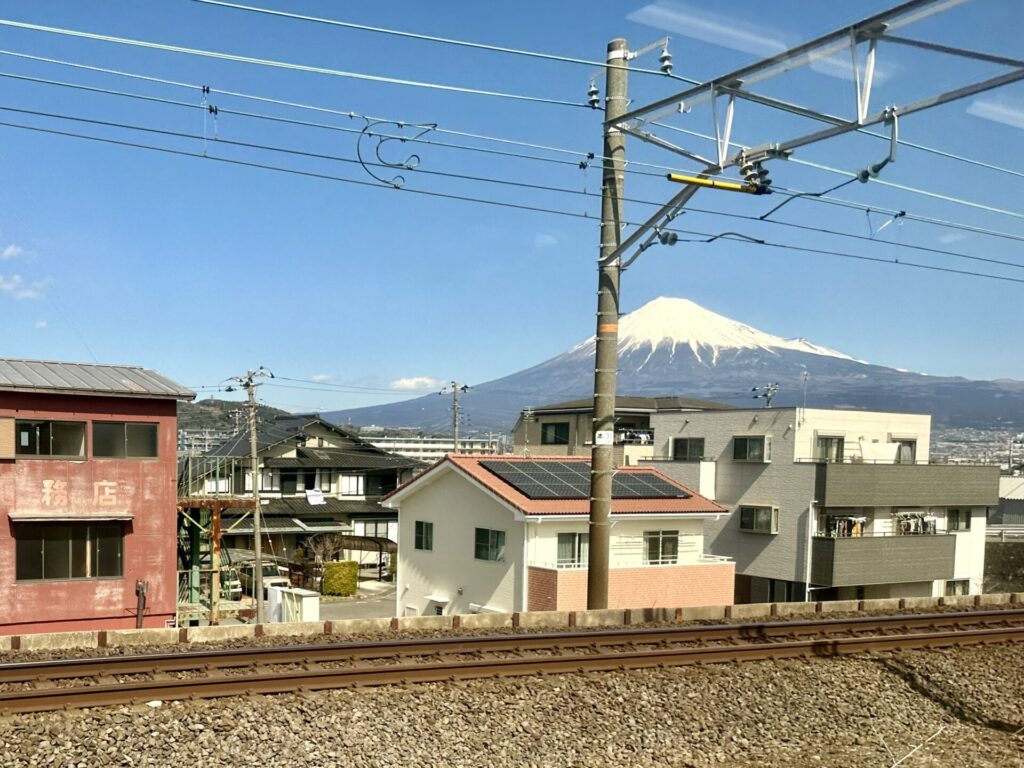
(6,438)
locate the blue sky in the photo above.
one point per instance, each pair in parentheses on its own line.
(202,269)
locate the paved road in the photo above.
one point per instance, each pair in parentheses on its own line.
(381,604)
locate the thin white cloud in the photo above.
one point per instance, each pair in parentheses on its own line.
(952,237)
(735,33)
(16,287)
(12,251)
(414,383)
(998,111)
(41,324)
(322,378)
(706,26)
(544,240)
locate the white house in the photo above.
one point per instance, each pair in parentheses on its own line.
(846,503)
(510,533)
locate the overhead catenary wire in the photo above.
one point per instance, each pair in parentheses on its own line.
(485,201)
(287,65)
(442,40)
(437,129)
(851,174)
(585,156)
(495,180)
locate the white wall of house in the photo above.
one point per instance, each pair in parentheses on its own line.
(457,507)
(626,545)
(970,551)
(868,435)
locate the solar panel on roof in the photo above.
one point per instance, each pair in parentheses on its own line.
(553,479)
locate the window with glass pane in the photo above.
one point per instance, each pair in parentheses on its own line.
(661,547)
(556,433)
(753,449)
(424,535)
(352,485)
(688,448)
(68,551)
(489,545)
(829,449)
(122,440)
(323,480)
(573,548)
(958,520)
(377,528)
(906,452)
(958,587)
(759,519)
(49,438)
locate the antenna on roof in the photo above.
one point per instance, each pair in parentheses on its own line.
(767,392)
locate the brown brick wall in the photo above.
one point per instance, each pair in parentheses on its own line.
(678,586)
(542,590)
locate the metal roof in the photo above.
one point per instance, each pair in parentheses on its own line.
(1011,488)
(342,458)
(88,379)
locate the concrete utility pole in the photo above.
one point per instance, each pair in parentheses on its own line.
(457,389)
(602,463)
(248,383)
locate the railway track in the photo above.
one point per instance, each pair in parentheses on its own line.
(50,685)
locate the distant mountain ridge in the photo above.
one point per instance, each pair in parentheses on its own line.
(672,346)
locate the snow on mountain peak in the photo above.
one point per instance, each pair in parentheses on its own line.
(680,322)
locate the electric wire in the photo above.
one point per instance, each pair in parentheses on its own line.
(792,195)
(287,65)
(504,182)
(883,182)
(586,157)
(503,204)
(444,40)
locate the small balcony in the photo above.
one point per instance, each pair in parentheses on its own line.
(860,560)
(906,485)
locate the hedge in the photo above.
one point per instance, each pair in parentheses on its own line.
(341,578)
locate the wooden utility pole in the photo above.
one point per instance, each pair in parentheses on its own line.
(602,465)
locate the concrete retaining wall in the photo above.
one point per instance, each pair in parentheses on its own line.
(753,612)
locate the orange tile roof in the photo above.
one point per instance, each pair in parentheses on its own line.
(470,465)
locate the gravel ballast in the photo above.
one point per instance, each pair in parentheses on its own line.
(850,712)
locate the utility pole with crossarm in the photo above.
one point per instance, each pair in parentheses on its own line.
(861,41)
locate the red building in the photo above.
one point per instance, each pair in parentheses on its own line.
(87,496)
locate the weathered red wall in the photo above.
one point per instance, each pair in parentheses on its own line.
(144,487)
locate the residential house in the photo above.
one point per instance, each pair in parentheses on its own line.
(566,429)
(314,477)
(87,496)
(510,533)
(831,504)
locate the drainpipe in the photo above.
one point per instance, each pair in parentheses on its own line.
(141,587)
(810,547)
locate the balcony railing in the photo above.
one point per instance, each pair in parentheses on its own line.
(861,560)
(906,485)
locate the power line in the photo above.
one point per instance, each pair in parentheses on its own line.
(444,40)
(285,65)
(586,157)
(485,201)
(850,174)
(504,182)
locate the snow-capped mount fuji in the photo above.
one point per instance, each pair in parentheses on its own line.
(682,323)
(672,346)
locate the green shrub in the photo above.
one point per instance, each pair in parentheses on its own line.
(341,578)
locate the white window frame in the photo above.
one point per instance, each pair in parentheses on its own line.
(766,449)
(351,485)
(677,440)
(661,536)
(754,509)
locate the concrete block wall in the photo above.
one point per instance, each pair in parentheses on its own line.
(553,620)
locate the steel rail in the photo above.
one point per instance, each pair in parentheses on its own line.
(48,699)
(38,671)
